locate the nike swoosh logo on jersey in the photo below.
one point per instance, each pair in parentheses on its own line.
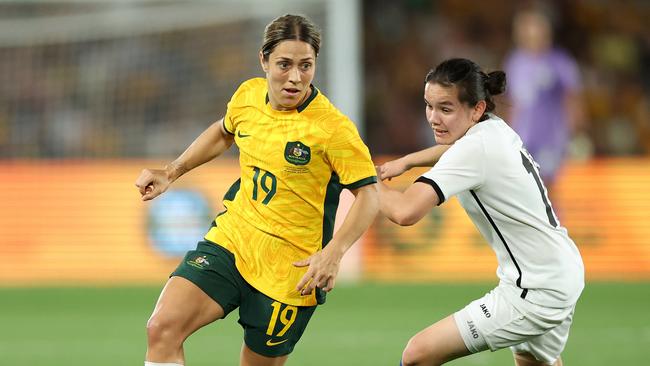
(270,343)
(241,135)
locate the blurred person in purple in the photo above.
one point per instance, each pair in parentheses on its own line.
(544,91)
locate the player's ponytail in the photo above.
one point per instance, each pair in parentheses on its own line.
(495,82)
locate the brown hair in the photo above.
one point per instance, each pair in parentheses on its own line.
(289,27)
(473,84)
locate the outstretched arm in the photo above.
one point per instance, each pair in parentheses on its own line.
(408,207)
(210,144)
(324,265)
(426,158)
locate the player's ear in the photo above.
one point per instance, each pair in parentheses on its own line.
(264,63)
(478,111)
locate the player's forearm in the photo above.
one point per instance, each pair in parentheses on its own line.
(425,158)
(210,144)
(361,215)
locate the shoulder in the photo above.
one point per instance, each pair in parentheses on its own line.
(499,140)
(326,115)
(487,135)
(472,144)
(560,54)
(496,132)
(567,67)
(252,84)
(561,58)
(321,105)
(249,91)
(485,149)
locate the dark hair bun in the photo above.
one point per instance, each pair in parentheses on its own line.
(496,82)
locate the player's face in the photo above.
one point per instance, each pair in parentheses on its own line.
(448,117)
(289,72)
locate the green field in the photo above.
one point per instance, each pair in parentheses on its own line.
(360,325)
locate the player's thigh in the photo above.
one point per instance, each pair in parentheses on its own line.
(503,319)
(183,308)
(271,328)
(546,348)
(438,343)
(494,322)
(205,286)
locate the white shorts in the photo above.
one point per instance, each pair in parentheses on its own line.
(503,319)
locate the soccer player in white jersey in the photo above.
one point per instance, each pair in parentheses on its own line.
(482,161)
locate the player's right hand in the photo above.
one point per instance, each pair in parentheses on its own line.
(391,169)
(151,183)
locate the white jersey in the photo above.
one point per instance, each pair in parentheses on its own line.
(497,183)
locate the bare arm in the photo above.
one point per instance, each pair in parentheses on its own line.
(426,158)
(408,207)
(324,265)
(211,143)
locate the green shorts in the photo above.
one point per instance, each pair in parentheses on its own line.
(271,328)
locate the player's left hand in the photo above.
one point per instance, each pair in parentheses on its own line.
(322,271)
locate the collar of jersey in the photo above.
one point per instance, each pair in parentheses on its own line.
(314,93)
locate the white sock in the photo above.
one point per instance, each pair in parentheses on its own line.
(147,363)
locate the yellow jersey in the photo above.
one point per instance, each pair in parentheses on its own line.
(294,164)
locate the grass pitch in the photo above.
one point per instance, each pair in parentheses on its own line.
(366,324)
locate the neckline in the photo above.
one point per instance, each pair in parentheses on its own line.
(301,107)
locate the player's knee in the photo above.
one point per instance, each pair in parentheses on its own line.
(164,332)
(415,353)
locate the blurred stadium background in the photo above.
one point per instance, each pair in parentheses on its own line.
(91,92)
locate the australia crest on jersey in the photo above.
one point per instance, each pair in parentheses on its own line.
(199,262)
(297,153)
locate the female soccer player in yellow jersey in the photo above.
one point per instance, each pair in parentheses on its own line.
(272,252)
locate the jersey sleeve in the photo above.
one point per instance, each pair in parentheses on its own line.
(228,120)
(237,101)
(461,168)
(350,157)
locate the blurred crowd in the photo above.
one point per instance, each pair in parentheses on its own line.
(146,95)
(609,40)
(150,95)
